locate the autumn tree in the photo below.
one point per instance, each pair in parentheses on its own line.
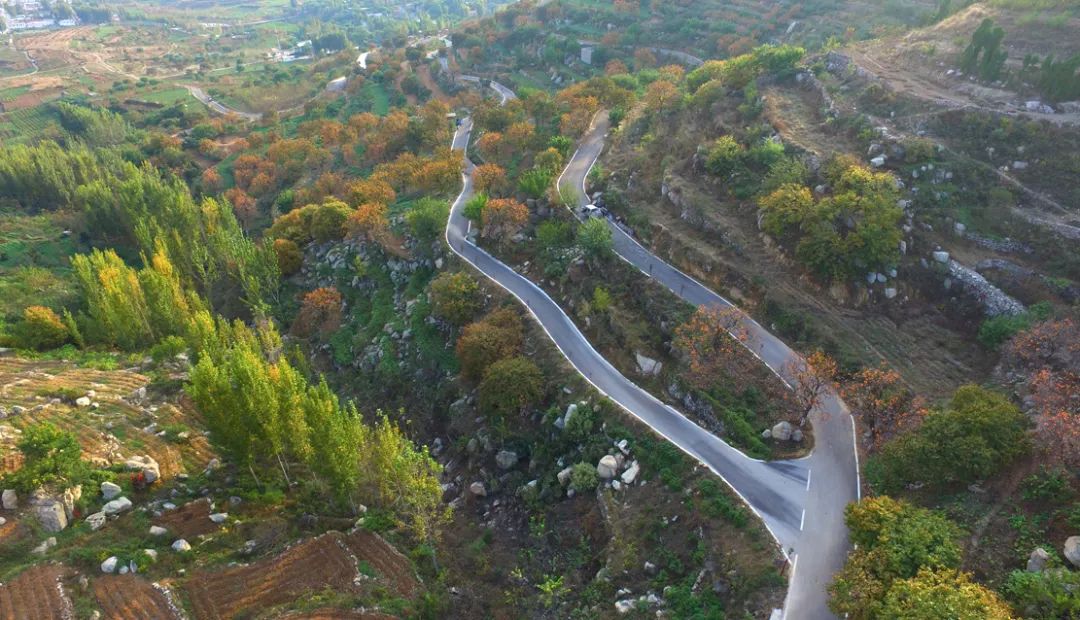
(370,191)
(784,208)
(490,179)
(661,96)
(615,67)
(882,404)
(369,222)
(455,297)
(549,160)
(811,381)
(895,540)
(243,206)
(481,344)
(510,386)
(40,329)
(933,594)
(709,340)
(491,145)
(211,180)
(289,256)
(320,311)
(503,218)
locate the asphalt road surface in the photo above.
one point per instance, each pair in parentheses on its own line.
(819,543)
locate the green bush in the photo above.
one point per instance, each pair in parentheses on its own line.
(996,331)
(583,477)
(982,426)
(1053,593)
(52,457)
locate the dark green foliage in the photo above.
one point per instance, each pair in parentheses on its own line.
(52,457)
(998,330)
(984,55)
(1052,593)
(982,426)
(510,386)
(427,218)
(534,183)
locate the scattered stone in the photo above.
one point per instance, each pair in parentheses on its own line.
(147,465)
(478,489)
(9,499)
(631,473)
(623,446)
(766,434)
(96,521)
(110,490)
(797,435)
(878,161)
(219,517)
(647,365)
(564,476)
(624,606)
(45,545)
(650,568)
(960,228)
(941,256)
(1072,550)
(150,553)
(1037,560)
(607,467)
(506,459)
(83,401)
(3,521)
(109,565)
(782,431)
(116,506)
(181,545)
(890,293)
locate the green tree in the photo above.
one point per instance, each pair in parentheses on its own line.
(455,297)
(510,386)
(982,425)
(328,221)
(474,207)
(784,208)
(595,239)
(583,477)
(41,329)
(535,183)
(51,457)
(725,156)
(427,218)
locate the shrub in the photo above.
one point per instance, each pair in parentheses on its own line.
(41,329)
(427,218)
(510,386)
(483,343)
(583,477)
(983,426)
(595,240)
(289,257)
(52,457)
(455,297)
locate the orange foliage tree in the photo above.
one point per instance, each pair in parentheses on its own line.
(883,405)
(709,340)
(503,218)
(370,190)
(489,178)
(320,312)
(811,381)
(243,205)
(369,222)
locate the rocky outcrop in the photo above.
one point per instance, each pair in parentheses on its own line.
(993,300)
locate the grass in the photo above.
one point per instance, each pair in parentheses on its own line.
(168,96)
(34,262)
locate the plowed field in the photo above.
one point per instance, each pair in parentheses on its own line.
(36,594)
(128,597)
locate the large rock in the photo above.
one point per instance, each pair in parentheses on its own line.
(1072,550)
(110,490)
(109,565)
(219,517)
(50,513)
(147,465)
(82,401)
(116,506)
(564,475)
(647,365)
(181,546)
(9,499)
(157,530)
(631,473)
(1037,560)
(607,467)
(941,256)
(478,489)
(70,497)
(781,431)
(96,521)
(506,459)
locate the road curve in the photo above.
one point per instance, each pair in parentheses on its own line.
(776,491)
(832,479)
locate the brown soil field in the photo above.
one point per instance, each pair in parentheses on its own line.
(189,521)
(328,561)
(128,597)
(36,594)
(339,614)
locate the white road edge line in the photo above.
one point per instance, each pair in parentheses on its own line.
(802,521)
(809,473)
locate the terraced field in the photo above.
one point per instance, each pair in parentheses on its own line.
(36,594)
(333,560)
(116,429)
(128,597)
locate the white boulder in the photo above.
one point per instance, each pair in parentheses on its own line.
(116,506)
(181,545)
(607,467)
(109,565)
(110,490)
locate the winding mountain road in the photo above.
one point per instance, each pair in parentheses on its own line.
(801,502)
